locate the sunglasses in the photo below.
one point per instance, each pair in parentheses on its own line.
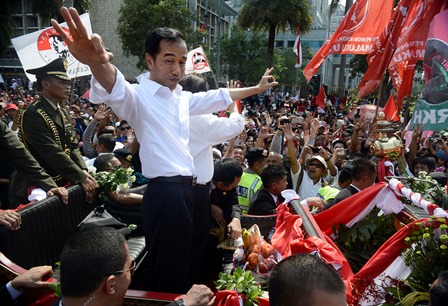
(131,270)
(125,128)
(315,165)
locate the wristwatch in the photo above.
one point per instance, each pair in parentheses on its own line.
(180,302)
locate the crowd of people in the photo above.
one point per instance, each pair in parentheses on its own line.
(202,171)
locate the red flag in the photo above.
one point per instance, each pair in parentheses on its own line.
(379,58)
(320,99)
(203,26)
(390,110)
(412,41)
(356,33)
(298,48)
(411,46)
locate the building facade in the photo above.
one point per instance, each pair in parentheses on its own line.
(217,14)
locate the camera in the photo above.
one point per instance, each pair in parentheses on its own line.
(283,121)
(315,149)
(434,139)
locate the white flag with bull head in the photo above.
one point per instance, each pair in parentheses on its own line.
(41,47)
(196,62)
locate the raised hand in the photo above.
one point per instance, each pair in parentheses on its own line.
(88,49)
(267,80)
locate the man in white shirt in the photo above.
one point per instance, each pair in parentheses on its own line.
(158,110)
(205,131)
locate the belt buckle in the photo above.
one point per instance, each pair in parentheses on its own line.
(194,180)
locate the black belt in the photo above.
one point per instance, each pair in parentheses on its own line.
(180,180)
(206,186)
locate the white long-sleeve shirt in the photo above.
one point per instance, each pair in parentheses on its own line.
(206,131)
(160,118)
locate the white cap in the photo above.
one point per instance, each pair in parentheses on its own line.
(217,152)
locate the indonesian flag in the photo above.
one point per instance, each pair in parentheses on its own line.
(320,99)
(390,110)
(39,48)
(298,48)
(356,34)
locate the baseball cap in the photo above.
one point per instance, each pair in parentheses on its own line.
(216,153)
(318,158)
(11,106)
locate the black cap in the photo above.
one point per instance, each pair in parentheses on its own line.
(56,68)
(124,154)
(255,154)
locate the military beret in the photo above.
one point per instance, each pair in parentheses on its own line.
(256,154)
(56,68)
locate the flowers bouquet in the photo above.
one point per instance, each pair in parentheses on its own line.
(117,179)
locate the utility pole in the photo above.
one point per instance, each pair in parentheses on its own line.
(332,6)
(218,44)
(341,83)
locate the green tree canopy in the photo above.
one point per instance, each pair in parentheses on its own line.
(243,55)
(139,17)
(272,16)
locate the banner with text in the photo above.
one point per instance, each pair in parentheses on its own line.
(433,117)
(41,47)
(356,33)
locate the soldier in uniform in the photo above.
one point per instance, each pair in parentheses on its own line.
(46,131)
(12,150)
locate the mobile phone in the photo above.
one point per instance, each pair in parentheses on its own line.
(350,162)
(283,121)
(298,120)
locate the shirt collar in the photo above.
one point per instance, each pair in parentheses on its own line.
(155,87)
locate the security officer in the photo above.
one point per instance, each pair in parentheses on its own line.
(46,131)
(250,180)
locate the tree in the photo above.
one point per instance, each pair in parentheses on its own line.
(242,56)
(139,17)
(6,24)
(358,65)
(272,16)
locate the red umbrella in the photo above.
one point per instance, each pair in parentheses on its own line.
(366,111)
(86,94)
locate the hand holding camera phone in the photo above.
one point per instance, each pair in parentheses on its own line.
(284,121)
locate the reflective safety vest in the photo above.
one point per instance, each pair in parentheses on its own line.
(247,188)
(328,192)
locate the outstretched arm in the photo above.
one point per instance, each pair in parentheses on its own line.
(88,49)
(267,81)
